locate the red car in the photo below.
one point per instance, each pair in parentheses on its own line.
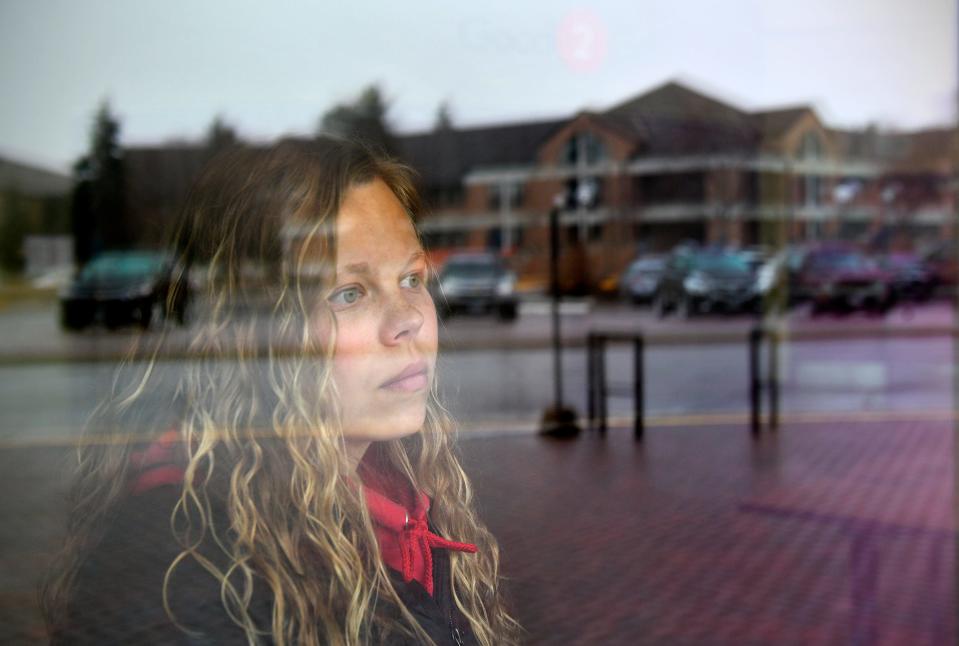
(842,280)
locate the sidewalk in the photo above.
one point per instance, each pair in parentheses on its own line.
(825,533)
(822,534)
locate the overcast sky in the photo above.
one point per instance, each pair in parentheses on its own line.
(167,67)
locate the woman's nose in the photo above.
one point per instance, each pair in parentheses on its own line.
(402,321)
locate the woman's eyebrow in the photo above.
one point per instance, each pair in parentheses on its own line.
(357,268)
(417,255)
(363,268)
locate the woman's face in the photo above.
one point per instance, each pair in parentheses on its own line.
(386,339)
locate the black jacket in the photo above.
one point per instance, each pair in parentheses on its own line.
(118,594)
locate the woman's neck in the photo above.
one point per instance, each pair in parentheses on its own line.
(355,450)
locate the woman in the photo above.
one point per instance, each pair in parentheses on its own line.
(309,493)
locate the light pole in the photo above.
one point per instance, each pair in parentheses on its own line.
(558,420)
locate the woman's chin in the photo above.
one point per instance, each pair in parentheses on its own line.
(399,425)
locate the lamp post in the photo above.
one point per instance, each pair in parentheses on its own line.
(558,420)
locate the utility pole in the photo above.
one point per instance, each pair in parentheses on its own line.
(559,420)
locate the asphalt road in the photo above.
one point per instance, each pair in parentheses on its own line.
(498,376)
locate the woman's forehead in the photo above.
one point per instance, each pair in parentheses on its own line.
(373,227)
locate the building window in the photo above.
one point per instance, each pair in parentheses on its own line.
(494,237)
(585,192)
(812,190)
(511,192)
(444,196)
(811,146)
(434,240)
(670,188)
(585,147)
(594,232)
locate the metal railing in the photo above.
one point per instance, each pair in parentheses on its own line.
(757,383)
(597,389)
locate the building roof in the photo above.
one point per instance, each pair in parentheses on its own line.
(668,120)
(933,149)
(440,157)
(773,124)
(675,119)
(32,180)
(443,157)
(856,144)
(930,149)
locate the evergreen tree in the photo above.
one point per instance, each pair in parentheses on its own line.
(220,136)
(98,205)
(364,120)
(444,118)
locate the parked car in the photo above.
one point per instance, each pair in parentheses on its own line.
(705,280)
(754,257)
(942,260)
(476,282)
(122,287)
(639,283)
(911,278)
(844,279)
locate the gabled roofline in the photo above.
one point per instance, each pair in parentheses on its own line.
(675,82)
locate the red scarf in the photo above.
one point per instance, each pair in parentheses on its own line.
(402,529)
(158,464)
(405,539)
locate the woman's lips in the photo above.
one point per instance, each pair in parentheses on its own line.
(412,379)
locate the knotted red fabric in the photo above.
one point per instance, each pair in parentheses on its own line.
(405,539)
(399,514)
(158,464)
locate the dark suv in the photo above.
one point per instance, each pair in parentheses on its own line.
(705,280)
(120,287)
(476,282)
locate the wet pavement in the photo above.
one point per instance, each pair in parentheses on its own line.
(822,533)
(838,529)
(826,533)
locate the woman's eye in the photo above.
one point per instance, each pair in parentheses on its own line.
(412,281)
(346,296)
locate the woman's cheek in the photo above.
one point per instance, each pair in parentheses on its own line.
(321,326)
(430,330)
(353,357)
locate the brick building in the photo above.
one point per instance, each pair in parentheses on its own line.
(668,165)
(673,164)
(34,206)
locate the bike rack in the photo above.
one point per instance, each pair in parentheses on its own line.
(756,382)
(596,386)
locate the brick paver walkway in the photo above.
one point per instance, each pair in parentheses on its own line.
(822,534)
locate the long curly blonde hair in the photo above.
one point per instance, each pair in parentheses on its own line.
(260,425)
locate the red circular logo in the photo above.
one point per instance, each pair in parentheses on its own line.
(581,40)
